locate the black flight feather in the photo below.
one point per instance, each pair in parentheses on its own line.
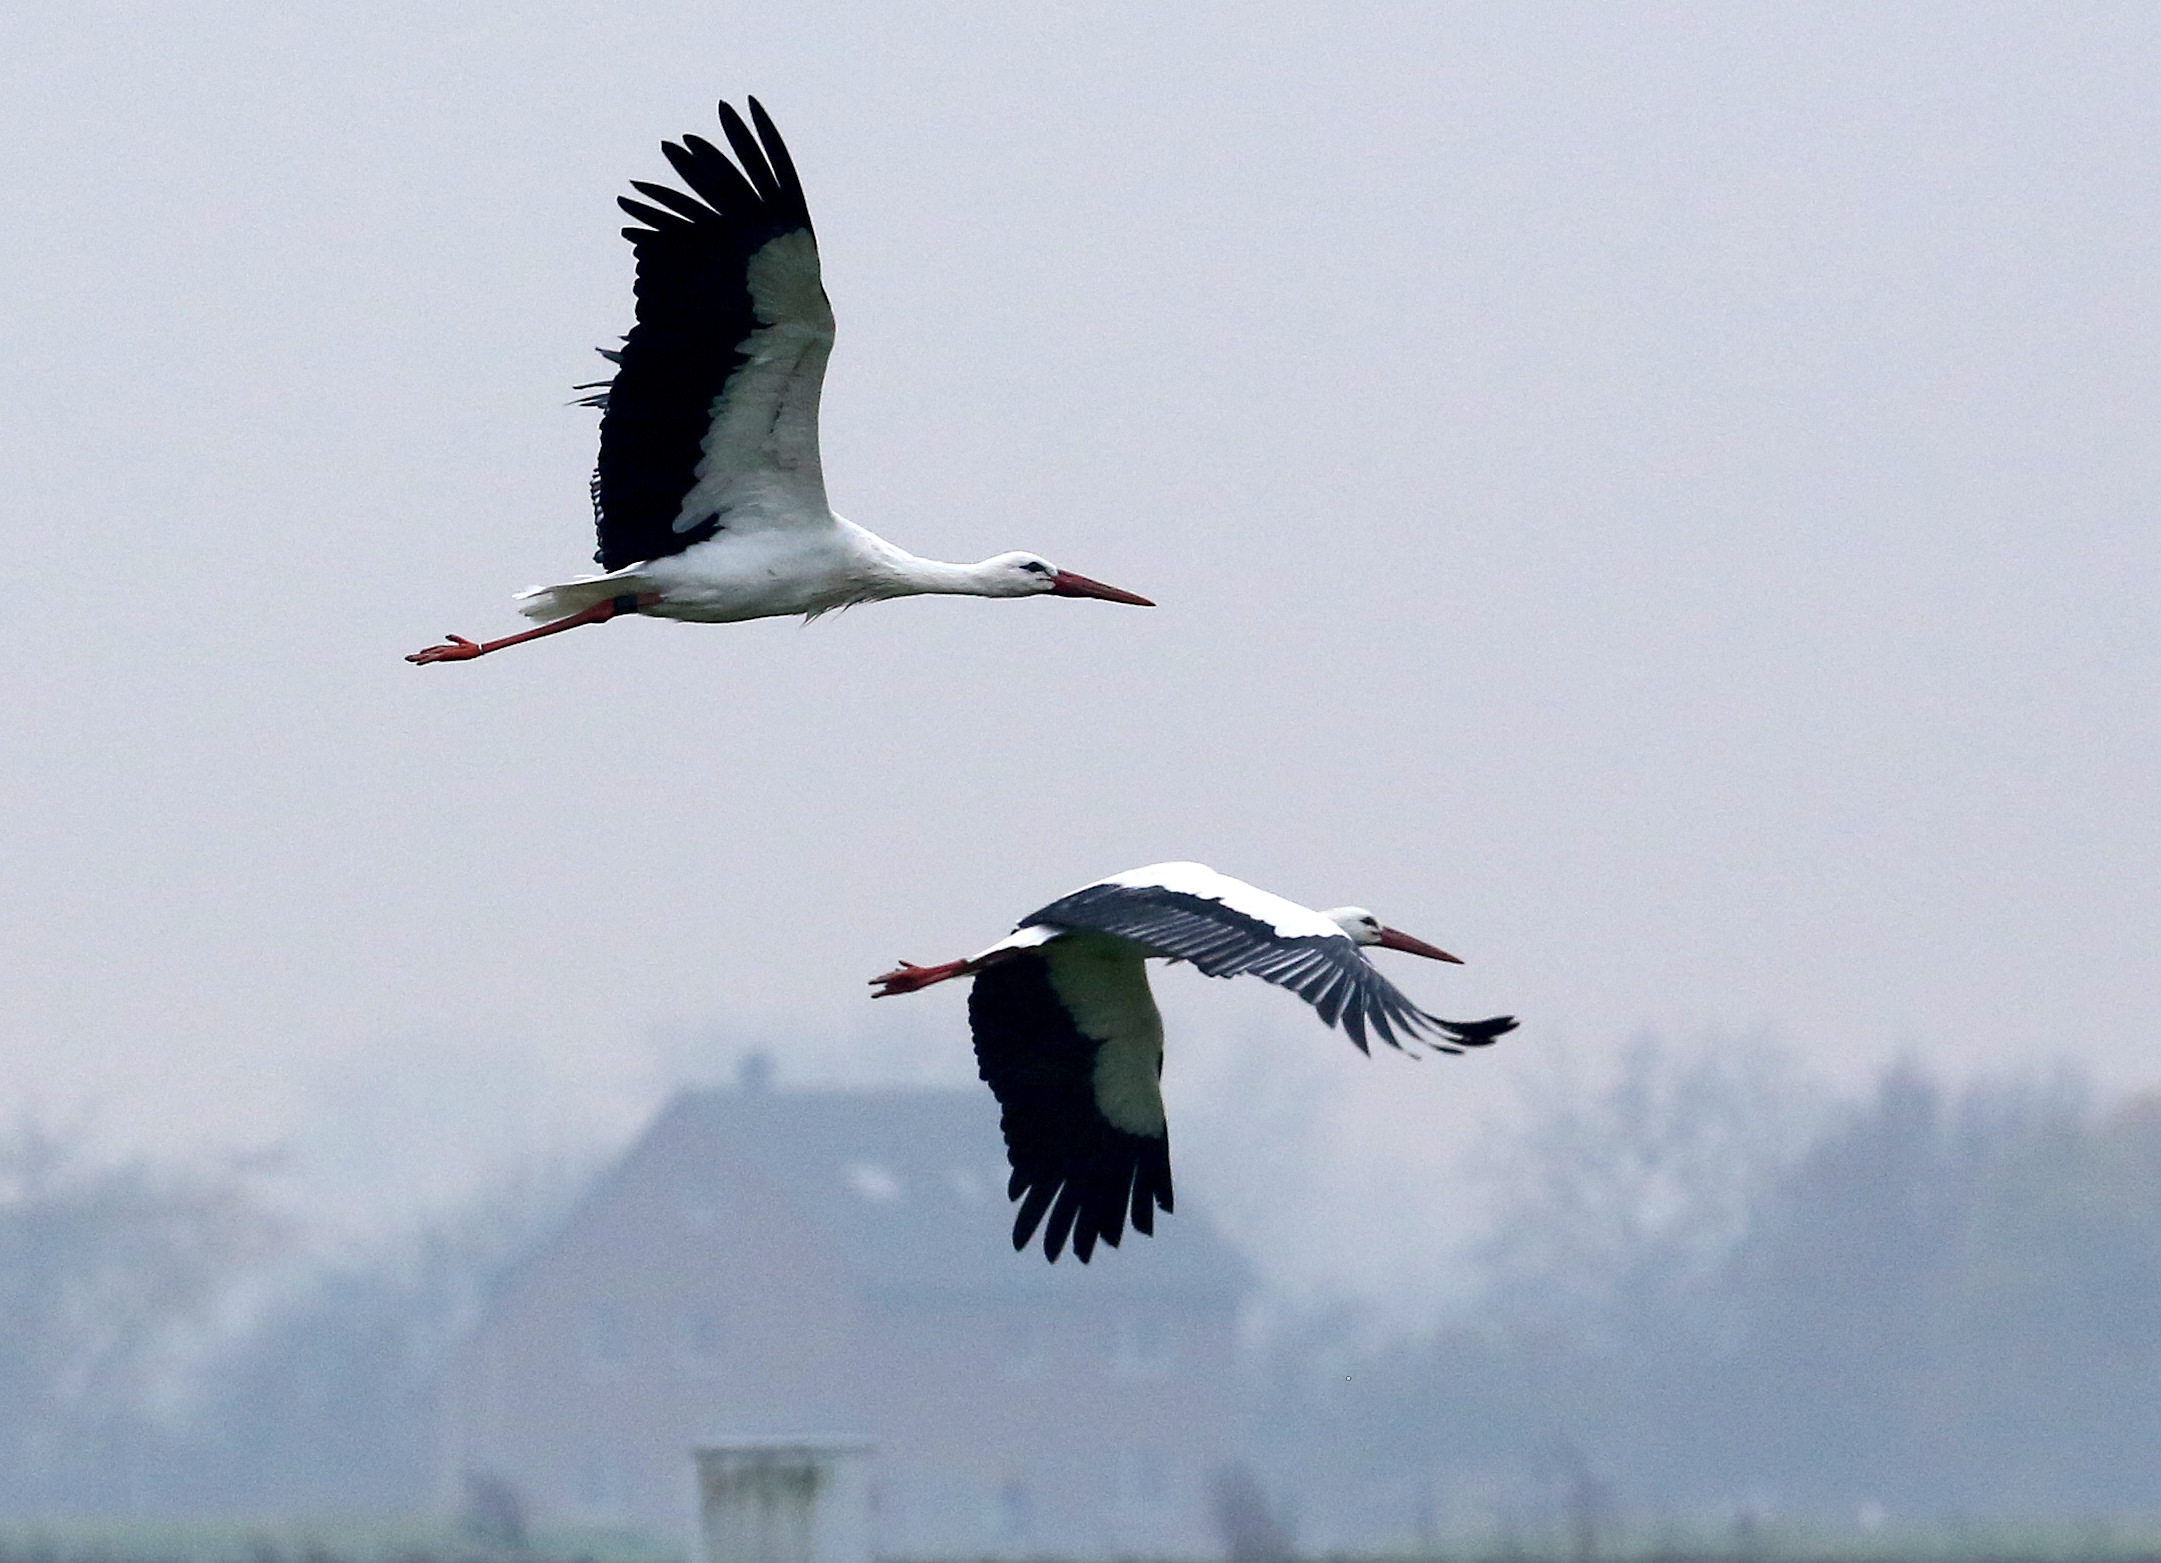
(1070,1163)
(677,202)
(750,154)
(694,314)
(1326,970)
(706,169)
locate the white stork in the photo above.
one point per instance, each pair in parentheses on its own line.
(1068,1038)
(708,495)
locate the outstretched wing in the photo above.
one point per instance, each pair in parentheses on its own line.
(1228,928)
(1068,1039)
(711,419)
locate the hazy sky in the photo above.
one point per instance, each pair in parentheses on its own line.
(1657,499)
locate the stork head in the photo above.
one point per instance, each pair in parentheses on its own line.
(1031,575)
(1365,928)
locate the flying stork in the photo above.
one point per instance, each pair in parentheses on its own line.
(708,496)
(1068,1038)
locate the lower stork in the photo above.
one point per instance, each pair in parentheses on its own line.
(1068,1038)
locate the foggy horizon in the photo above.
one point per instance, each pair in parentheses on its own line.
(1655,501)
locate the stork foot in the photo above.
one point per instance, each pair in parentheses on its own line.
(908,977)
(458,650)
(462,650)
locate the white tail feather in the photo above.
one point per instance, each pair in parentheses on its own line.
(549,603)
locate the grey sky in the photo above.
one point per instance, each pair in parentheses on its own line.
(1655,498)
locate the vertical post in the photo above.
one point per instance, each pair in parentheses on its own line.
(784,1500)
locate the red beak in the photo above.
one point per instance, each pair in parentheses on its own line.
(1066,584)
(1392,940)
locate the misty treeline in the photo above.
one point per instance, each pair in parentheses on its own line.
(1711,1294)
(1707,1288)
(169,1345)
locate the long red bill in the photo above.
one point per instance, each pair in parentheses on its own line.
(1066,584)
(1392,940)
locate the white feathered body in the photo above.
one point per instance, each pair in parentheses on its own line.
(760,570)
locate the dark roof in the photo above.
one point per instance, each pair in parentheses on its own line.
(910,1187)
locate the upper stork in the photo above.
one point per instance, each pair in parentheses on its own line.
(708,494)
(1068,1038)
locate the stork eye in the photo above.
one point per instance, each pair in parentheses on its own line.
(1036,567)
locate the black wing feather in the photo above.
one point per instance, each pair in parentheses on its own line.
(677,202)
(661,222)
(776,150)
(694,311)
(1069,1162)
(1327,971)
(706,169)
(749,153)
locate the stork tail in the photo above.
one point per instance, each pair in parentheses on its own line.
(568,597)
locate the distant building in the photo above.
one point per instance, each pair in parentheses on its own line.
(777,1262)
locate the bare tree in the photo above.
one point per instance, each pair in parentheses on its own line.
(329,1402)
(1618,1191)
(1252,1529)
(108,1274)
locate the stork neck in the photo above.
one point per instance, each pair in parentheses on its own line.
(935,576)
(908,574)
(891,571)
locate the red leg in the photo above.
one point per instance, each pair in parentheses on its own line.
(908,977)
(462,650)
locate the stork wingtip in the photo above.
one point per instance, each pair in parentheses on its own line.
(1480,1033)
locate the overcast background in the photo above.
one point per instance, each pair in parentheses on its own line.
(1655,498)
